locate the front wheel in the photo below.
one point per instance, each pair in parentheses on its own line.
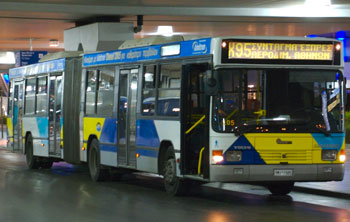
(32,161)
(174,185)
(280,188)
(94,161)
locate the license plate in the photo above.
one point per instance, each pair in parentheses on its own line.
(283,173)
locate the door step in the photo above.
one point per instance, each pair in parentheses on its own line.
(196,177)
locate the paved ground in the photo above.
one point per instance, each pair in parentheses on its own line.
(66,193)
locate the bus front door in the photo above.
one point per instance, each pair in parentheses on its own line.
(128,84)
(55,97)
(195,121)
(17,116)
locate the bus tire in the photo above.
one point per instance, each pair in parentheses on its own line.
(280,188)
(94,162)
(174,185)
(32,161)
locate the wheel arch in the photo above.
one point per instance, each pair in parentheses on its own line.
(163,147)
(91,137)
(28,133)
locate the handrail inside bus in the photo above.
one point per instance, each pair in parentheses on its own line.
(200,160)
(231,114)
(194,125)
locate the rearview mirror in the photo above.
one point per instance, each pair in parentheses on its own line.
(211,85)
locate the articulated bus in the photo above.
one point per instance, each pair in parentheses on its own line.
(227,109)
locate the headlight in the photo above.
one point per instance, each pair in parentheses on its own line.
(233,156)
(329,154)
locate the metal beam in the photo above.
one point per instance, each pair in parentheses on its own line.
(341,11)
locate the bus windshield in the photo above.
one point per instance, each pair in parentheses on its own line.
(278,100)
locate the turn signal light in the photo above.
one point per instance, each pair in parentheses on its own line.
(217,156)
(342,156)
(137,155)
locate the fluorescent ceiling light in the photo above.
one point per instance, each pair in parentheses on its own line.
(54,43)
(165,30)
(318,2)
(7,58)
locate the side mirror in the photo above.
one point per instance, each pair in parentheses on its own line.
(211,84)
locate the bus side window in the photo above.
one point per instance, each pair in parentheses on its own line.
(169,90)
(41,96)
(149,90)
(90,101)
(30,96)
(105,93)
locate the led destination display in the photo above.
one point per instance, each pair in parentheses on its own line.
(283,51)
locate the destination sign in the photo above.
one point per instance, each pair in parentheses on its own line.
(280,51)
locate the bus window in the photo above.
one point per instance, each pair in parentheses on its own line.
(169,90)
(90,92)
(41,101)
(105,93)
(30,96)
(149,90)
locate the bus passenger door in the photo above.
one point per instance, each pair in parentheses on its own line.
(195,121)
(128,84)
(55,98)
(17,116)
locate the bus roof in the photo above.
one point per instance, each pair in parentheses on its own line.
(57,65)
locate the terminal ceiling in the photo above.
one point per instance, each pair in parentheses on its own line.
(38,21)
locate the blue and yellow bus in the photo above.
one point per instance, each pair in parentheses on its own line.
(228,109)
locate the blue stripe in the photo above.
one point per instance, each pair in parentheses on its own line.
(109,131)
(108,148)
(334,141)
(149,153)
(249,154)
(188,48)
(43,126)
(146,133)
(57,65)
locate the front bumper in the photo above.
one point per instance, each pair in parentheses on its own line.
(302,172)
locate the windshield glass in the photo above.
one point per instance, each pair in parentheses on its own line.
(278,100)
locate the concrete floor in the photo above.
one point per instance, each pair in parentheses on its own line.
(66,193)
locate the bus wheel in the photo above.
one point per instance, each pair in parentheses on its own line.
(174,185)
(280,188)
(32,161)
(95,168)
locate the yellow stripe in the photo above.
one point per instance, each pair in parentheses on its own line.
(9,126)
(90,127)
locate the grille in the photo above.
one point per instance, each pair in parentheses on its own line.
(290,156)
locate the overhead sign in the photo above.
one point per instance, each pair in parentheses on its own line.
(285,51)
(24,58)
